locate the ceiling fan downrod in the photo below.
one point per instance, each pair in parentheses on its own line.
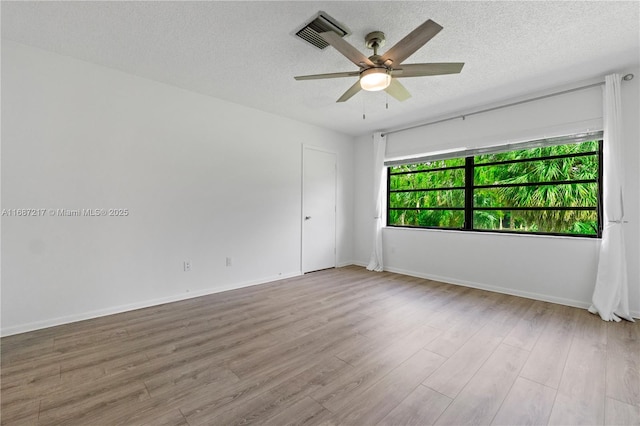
(374,40)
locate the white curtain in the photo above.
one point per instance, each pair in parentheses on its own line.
(611,295)
(379,148)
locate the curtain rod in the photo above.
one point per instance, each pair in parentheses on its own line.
(627,77)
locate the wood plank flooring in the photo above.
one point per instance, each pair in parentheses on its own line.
(337,347)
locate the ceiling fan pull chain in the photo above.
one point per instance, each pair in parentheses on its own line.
(364,117)
(386,100)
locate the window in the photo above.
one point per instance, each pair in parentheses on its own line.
(549,189)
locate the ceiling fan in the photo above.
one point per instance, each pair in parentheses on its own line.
(379,72)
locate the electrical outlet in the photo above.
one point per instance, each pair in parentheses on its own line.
(187,266)
(229,263)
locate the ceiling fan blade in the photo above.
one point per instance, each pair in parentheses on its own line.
(349,93)
(412,42)
(419,70)
(397,90)
(342,46)
(330,75)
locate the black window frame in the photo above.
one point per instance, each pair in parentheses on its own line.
(469,188)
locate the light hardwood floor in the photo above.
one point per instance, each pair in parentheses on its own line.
(341,346)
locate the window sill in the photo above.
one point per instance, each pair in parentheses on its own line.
(500,234)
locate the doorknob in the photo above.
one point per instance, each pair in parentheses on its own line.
(307,217)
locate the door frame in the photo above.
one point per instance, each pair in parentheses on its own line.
(306,147)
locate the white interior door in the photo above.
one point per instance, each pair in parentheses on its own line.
(319,179)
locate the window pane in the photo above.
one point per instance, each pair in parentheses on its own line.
(521,191)
(439,179)
(572,168)
(438,164)
(549,221)
(427,218)
(589,146)
(565,195)
(444,198)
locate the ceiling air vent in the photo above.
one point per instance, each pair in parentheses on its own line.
(322,23)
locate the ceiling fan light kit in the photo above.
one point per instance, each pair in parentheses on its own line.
(375,79)
(380,72)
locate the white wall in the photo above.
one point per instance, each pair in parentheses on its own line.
(557,269)
(202,179)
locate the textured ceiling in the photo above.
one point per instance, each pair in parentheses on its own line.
(245,52)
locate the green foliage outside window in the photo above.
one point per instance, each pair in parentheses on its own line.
(520,191)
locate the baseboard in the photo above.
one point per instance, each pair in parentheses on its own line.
(37,325)
(495,289)
(503,290)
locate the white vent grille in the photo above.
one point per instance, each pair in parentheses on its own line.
(321,23)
